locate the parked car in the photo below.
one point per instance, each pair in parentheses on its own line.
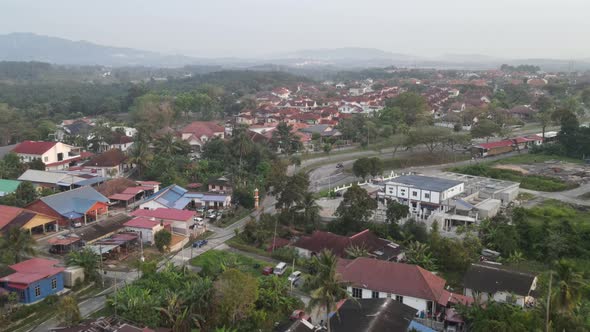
(77,224)
(280,269)
(212,215)
(201,209)
(199,243)
(294,276)
(197,219)
(211,211)
(267,270)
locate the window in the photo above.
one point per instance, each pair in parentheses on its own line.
(426,195)
(399,298)
(45,159)
(357,293)
(414,193)
(54,283)
(37,291)
(375,295)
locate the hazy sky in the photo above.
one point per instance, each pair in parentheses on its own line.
(242,28)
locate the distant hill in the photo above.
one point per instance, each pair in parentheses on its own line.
(32,47)
(348,53)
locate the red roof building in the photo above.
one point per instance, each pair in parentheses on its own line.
(165,214)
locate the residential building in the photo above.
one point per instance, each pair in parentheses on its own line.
(423,194)
(198,133)
(59,180)
(492,281)
(176,197)
(373,315)
(181,221)
(322,130)
(147,228)
(55,155)
(8,186)
(35,223)
(221,184)
(110,164)
(308,246)
(34,279)
(79,205)
(408,284)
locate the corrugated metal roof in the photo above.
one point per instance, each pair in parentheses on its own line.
(426,182)
(74,201)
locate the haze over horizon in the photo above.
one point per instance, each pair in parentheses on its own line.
(265,28)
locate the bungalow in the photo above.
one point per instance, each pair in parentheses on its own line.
(221,184)
(34,279)
(35,223)
(108,164)
(200,132)
(487,281)
(147,228)
(408,284)
(181,221)
(55,155)
(308,246)
(323,130)
(176,197)
(373,315)
(78,205)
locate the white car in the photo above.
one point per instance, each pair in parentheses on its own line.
(197,219)
(294,276)
(212,215)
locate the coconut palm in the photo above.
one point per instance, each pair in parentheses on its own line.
(328,286)
(419,254)
(568,291)
(140,155)
(17,243)
(68,311)
(310,209)
(356,251)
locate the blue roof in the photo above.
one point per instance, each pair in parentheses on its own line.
(91,181)
(419,327)
(78,201)
(176,197)
(426,182)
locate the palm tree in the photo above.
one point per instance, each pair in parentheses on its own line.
(17,243)
(329,288)
(68,311)
(177,313)
(165,144)
(140,155)
(568,291)
(419,254)
(356,251)
(87,259)
(311,210)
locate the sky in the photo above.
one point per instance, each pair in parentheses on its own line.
(266,28)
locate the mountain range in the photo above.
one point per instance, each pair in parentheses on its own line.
(33,47)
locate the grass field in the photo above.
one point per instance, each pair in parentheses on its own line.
(532,158)
(213,261)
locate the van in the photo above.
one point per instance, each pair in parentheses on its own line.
(280,268)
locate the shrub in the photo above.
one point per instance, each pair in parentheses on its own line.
(285,254)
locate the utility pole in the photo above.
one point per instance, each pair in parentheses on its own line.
(101,267)
(548,302)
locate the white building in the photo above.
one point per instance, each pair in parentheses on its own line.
(423,194)
(55,155)
(147,228)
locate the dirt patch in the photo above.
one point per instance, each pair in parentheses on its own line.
(515,168)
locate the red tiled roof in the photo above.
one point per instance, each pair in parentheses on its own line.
(33,147)
(7,214)
(498,144)
(395,278)
(33,270)
(203,128)
(121,197)
(447,297)
(338,244)
(110,158)
(163,213)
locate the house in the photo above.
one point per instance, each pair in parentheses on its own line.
(308,246)
(176,197)
(34,279)
(8,186)
(55,155)
(423,194)
(408,284)
(372,315)
(110,164)
(221,184)
(181,221)
(147,228)
(524,112)
(322,130)
(491,281)
(35,223)
(104,324)
(52,180)
(118,140)
(198,133)
(73,129)
(78,205)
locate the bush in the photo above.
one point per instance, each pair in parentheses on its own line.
(163,239)
(285,254)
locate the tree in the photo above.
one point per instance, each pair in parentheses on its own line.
(361,168)
(86,259)
(356,205)
(376,166)
(310,210)
(292,191)
(396,212)
(25,193)
(398,141)
(568,290)
(484,129)
(411,106)
(176,312)
(169,145)
(419,254)
(11,166)
(162,240)
(328,288)
(16,244)
(284,139)
(68,312)
(431,137)
(327,148)
(37,164)
(356,251)
(236,294)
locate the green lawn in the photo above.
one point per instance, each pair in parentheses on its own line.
(555,211)
(531,182)
(532,158)
(237,243)
(213,261)
(228,220)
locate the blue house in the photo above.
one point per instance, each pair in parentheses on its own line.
(34,279)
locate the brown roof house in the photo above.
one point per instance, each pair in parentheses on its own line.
(200,132)
(110,164)
(409,284)
(377,247)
